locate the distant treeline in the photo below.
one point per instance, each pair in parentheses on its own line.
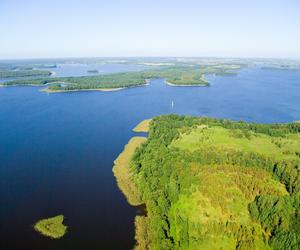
(23,73)
(191,75)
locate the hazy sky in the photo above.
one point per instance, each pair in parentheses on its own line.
(73,28)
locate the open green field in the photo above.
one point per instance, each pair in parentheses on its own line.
(220,138)
(51,227)
(218,184)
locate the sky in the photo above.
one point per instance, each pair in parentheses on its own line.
(120,28)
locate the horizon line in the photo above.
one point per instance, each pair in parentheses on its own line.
(157,56)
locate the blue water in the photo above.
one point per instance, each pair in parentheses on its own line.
(57,150)
(81,69)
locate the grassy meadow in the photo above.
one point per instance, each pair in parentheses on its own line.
(220,138)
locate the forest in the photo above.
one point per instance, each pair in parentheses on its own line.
(217,184)
(23,73)
(177,75)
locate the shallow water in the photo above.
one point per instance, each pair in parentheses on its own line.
(57,150)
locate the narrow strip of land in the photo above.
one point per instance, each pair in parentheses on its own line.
(143,126)
(123,174)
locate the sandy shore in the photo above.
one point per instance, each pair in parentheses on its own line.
(143,126)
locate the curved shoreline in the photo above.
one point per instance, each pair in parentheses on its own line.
(79,90)
(147,82)
(97,89)
(125,182)
(122,172)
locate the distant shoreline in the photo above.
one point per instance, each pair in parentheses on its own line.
(47,90)
(99,89)
(147,82)
(79,90)
(185,85)
(19,85)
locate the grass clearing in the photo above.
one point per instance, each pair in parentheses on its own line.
(225,139)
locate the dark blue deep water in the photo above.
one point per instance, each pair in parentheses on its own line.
(57,150)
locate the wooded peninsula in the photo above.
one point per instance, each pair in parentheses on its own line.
(213,183)
(192,75)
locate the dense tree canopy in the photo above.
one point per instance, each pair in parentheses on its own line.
(178,75)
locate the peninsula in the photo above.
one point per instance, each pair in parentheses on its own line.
(212,183)
(181,75)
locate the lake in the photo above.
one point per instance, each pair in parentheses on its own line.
(82,69)
(57,150)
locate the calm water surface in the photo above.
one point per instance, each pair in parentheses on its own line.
(81,69)
(57,150)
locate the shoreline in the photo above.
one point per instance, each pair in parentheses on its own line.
(186,85)
(65,91)
(79,90)
(143,126)
(147,174)
(125,182)
(147,82)
(98,89)
(122,173)
(21,85)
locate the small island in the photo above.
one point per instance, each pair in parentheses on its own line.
(281,67)
(51,227)
(93,71)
